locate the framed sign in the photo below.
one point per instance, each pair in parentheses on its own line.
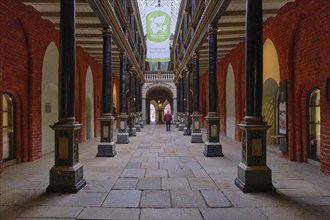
(283,116)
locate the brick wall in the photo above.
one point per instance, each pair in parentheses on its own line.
(24,38)
(300,33)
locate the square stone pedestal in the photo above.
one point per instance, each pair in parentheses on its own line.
(253,173)
(107,147)
(213,148)
(196,135)
(122,135)
(67,173)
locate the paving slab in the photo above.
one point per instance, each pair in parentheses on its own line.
(149,183)
(126,183)
(202,183)
(215,199)
(133,173)
(180,173)
(173,214)
(297,213)
(51,212)
(123,198)
(99,186)
(156,173)
(233,213)
(155,199)
(110,213)
(187,199)
(175,183)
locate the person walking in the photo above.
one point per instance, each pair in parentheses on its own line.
(168,119)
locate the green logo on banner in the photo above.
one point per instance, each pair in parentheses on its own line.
(158,26)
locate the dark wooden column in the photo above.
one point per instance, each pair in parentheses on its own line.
(253,173)
(186,129)
(122,135)
(132,129)
(67,173)
(137,105)
(196,135)
(107,146)
(213,148)
(178,103)
(181,125)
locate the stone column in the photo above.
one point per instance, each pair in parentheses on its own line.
(213,148)
(107,146)
(181,125)
(137,105)
(132,129)
(196,135)
(186,129)
(67,173)
(141,105)
(253,173)
(178,104)
(122,135)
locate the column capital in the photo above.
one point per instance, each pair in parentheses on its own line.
(212,29)
(123,55)
(195,55)
(107,30)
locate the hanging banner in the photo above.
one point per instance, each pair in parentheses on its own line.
(158,22)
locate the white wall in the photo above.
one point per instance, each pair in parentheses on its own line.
(89,104)
(230,103)
(49,96)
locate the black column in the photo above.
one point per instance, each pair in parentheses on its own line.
(122,82)
(196,82)
(137,95)
(67,173)
(68,61)
(213,69)
(182,95)
(253,173)
(140,96)
(253,74)
(178,96)
(106,82)
(107,147)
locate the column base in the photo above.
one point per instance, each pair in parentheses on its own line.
(196,138)
(254,179)
(122,138)
(138,128)
(106,150)
(213,149)
(132,133)
(66,179)
(181,127)
(141,124)
(177,124)
(186,131)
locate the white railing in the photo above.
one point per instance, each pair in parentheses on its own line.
(159,76)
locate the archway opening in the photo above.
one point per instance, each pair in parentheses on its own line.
(49,97)
(8,128)
(271,80)
(314,125)
(152,113)
(89,104)
(230,103)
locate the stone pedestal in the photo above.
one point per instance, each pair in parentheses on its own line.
(137,123)
(213,148)
(177,123)
(186,129)
(196,135)
(132,129)
(107,146)
(253,173)
(181,125)
(67,173)
(122,135)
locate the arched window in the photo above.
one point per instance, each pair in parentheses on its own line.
(314,124)
(8,125)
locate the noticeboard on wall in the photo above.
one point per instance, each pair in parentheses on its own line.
(283,116)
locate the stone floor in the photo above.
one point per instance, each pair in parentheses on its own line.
(161,175)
